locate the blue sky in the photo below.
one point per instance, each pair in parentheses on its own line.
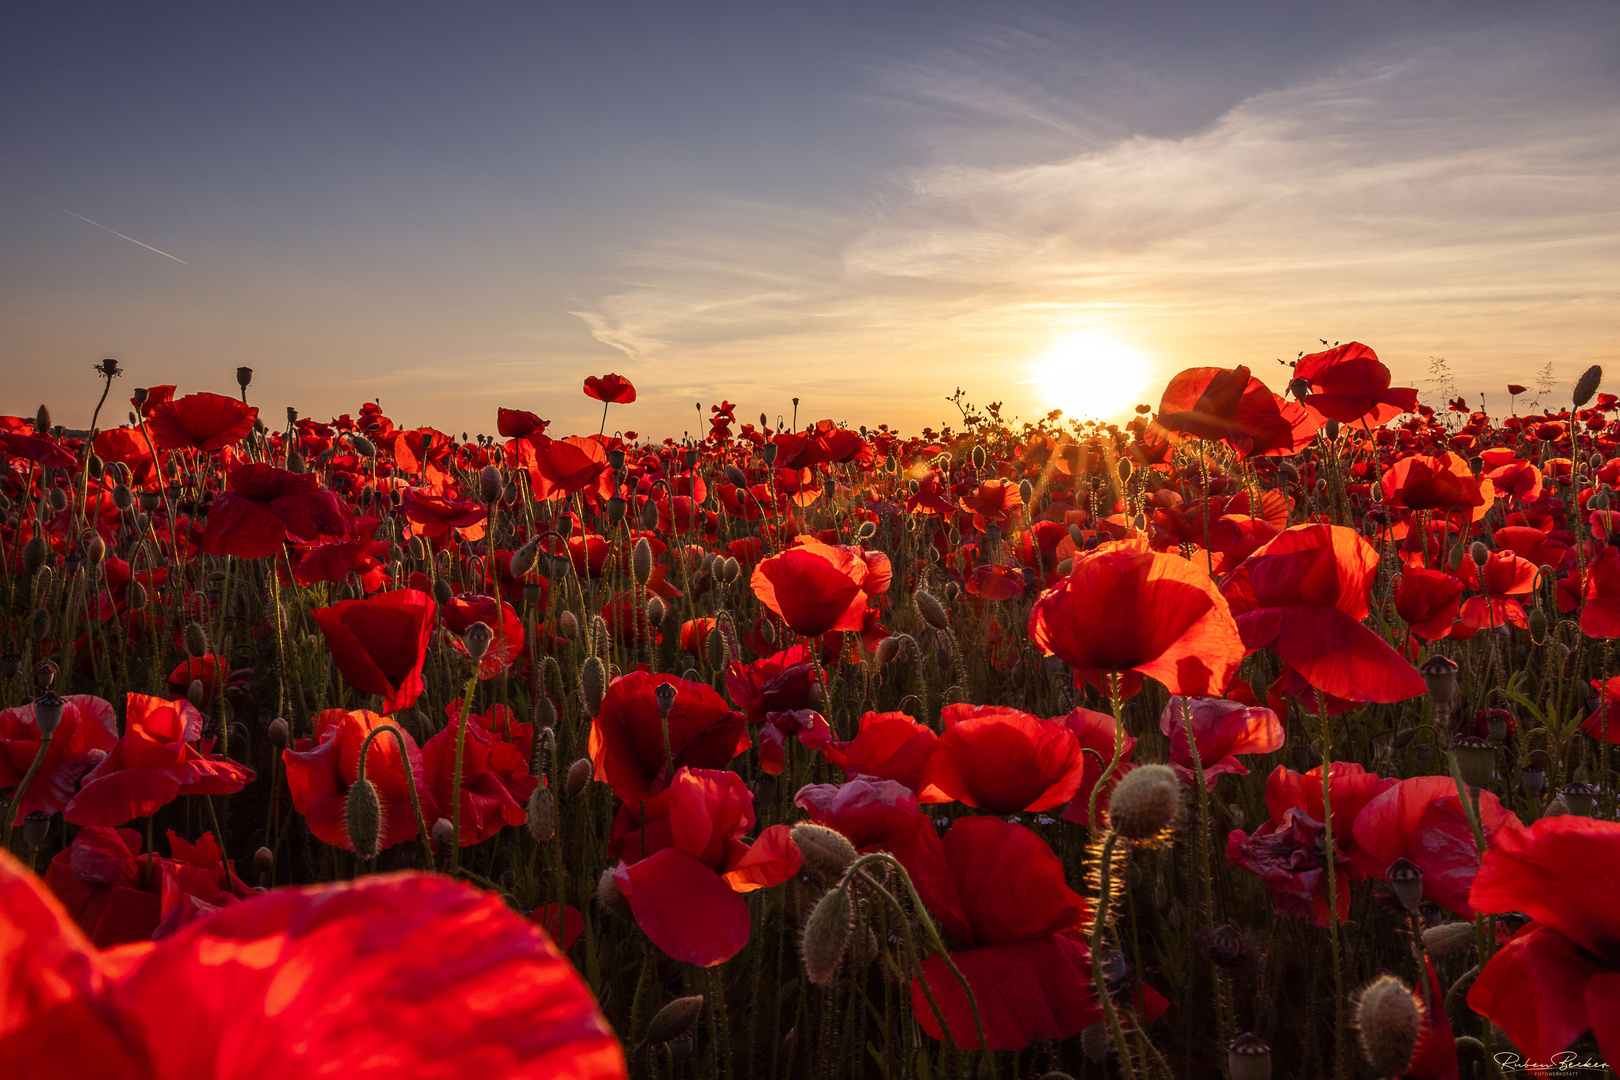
(456,207)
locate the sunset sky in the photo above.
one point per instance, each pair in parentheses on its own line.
(454,207)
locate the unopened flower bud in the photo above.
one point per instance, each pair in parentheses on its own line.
(362,812)
(522,560)
(489,484)
(34,554)
(826,935)
(196,693)
(1479,553)
(609,898)
(362,446)
(42,420)
(48,711)
(579,774)
(1248,1058)
(655,610)
(1405,880)
(674,1019)
(196,639)
(1587,386)
(716,649)
(39,624)
(264,860)
(641,561)
(826,851)
(569,625)
(442,591)
(444,835)
(1145,802)
(1449,939)
(592,685)
(543,714)
(278,731)
(477,640)
(932,610)
(729,569)
(888,650)
(1388,1018)
(542,814)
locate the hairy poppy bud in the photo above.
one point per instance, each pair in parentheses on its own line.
(196,639)
(1476,760)
(664,693)
(1388,1019)
(48,711)
(826,935)
(1095,1042)
(363,813)
(579,774)
(522,560)
(592,685)
(729,569)
(655,610)
(1538,624)
(716,648)
(543,714)
(641,560)
(979,458)
(278,732)
(736,476)
(888,650)
(1331,430)
(542,814)
(95,548)
(264,860)
(1587,386)
(444,835)
(195,693)
(1026,492)
(1440,676)
(1479,553)
(609,898)
(931,609)
(674,1019)
(39,624)
(826,851)
(1145,802)
(1405,880)
(34,554)
(1449,939)
(122,497)
(477,640)
(442,591)
(489,484)
(1248,1058)
(568,625)
(649,515)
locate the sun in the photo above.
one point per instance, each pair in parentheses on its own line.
(1092,375)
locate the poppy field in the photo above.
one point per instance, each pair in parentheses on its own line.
(1263,735)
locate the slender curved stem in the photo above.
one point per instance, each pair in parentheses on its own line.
(410,782)
(455,780)
(1099,919)
(15,806)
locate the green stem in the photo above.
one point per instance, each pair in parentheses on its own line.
(410,783)
(455,779)
(1330,855)
(15,806)
(1099,919)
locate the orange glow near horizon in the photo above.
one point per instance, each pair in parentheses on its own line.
(1092,375)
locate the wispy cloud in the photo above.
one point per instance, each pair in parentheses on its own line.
(115,232)
(1450,196)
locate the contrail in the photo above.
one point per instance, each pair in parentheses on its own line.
(115,232)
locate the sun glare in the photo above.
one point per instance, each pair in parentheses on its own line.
(1092,375)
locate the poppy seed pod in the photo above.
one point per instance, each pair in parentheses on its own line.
(244,377)
(1405,880)
(541,818)
(826,935)
(278,731)
(48,711)
(826,851)
(579,774)
(477,640)
(1248,1058)
(1580,798)
(34,554)
(674,1019)
(592,685)
(641,560)
(196,639)
(932,610)
(362,811)
(1449,939)
(1440,676)
(489,484)
(1145,802)
(664,694)
(1388,1019)
(1476,760)
(1587,386)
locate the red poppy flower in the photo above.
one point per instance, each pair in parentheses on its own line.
(686,862)
(1600,615)
(559,468)
(695,636)
(434,513)
(264,507)
(162,755)
(1095,732)
(1422,820)
(518,423)
(1419,482)
(890,746)
(1428,600)
(332,563)
(320,772)
(1005,761)
(507,644)
(380,643)
(495,778)
(1303,596)
(1604,723)
(781,682)
(40,450)
(627,736)
(1221,730)
(1233,407)
(814,587)
(611,388)
(116,896)
(387,975)
(87,730)
(993,502)
(1125,608)
(200,422)
(1560,975)
(1349,384)
(562,923)
(203,669)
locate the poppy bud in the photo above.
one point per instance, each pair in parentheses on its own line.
(1579,797)
(609,898)
(1248,1058)
(826,935)
(196,639)
(592,684)
(42,418)
(888,650)
(931,609)
(579,774)
(1095,1042)
(1145,802)
(649,515)
(48,711)
(665,693)
(978,458)
(736,476)
(195,693)
(1331,430)
(542,814)
(826,851)
(34,554)
(362,446)
(94,466)
(489,484)
(655,610)
(39,624)
(1065,568)
(362,811)
(278,731)
(1479,553)
(477,640)
(1387,1016)
(123,498)
(641,560)
(1440,676)
(444,835)
(1476,760)
(568,625)
(716,650)
(729,569)
(543,714)
(1405,880)
(442,591)
(1538,624)
(264,860)
(522,560)
(767,630)
(95,548)
(1587,386)
(674,1019)
(1448,939)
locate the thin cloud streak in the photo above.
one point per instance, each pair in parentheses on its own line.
(1453,196)
(115,232)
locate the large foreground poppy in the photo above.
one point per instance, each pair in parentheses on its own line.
(393,976)
(1126,608)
